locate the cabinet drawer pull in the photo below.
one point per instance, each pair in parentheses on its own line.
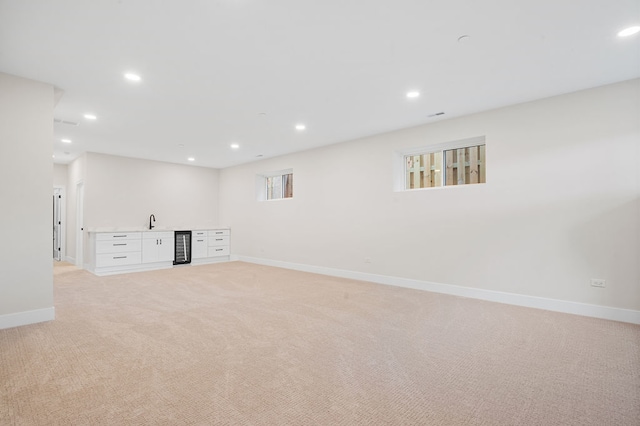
(219,239)
(120,244)
(219,249)
(119,236)
(218,233)
(200,241)
(120,257)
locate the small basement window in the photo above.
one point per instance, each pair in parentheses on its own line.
(449,164)
(275,185)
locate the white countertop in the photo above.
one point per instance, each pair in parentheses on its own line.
(155,228)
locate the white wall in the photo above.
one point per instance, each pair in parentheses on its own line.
(560,205)
(26,134)
(124,192)
(60,176)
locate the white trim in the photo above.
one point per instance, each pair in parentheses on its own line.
(277,173)
(208,260)
(568,307)
(122,269)
(443,146)
(27,317)
(145,267)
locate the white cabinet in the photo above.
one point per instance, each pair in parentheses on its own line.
(117,249)
(199,244)
(218,243)
(118,236)
(210,246)
(157,246)
(119,252)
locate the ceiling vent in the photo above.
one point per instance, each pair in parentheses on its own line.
(69,123)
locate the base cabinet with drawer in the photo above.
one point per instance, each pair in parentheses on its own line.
(218,243)
(210,245)
(199,244)
(118,249)
(119,252)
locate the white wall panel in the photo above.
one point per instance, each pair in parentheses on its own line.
(26,134)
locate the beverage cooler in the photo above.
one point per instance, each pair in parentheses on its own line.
(182,251)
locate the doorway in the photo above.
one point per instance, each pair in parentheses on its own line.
(58,223)
(79,224)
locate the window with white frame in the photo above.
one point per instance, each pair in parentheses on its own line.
(275,185)
(455,163)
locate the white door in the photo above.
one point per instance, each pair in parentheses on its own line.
(57,224)
(80,224)
(165,248)
(149,250)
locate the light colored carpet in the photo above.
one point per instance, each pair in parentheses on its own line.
(63,267)
(243,344)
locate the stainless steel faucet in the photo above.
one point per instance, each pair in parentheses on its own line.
(150,224)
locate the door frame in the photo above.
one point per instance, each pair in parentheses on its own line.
(62,230)
(80,224)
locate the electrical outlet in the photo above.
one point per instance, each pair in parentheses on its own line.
(598,282)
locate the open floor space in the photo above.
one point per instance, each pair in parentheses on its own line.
(243,344)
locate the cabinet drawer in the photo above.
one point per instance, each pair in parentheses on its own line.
(122,246)
(199,234)
(218,251)
(218,232)
(116,236)
(220,240)
(158,235)
(118,259)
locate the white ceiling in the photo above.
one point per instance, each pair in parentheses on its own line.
(217,72)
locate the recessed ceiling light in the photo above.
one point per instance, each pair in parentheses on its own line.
(90,117)
(629,31)
(413,94)
(132,77)
(65,140)
(300,126)
(234,146)
(191,159)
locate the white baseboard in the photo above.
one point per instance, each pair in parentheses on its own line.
(145,267)
(210,260)
(28,317)
(139,267)
(576,308)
